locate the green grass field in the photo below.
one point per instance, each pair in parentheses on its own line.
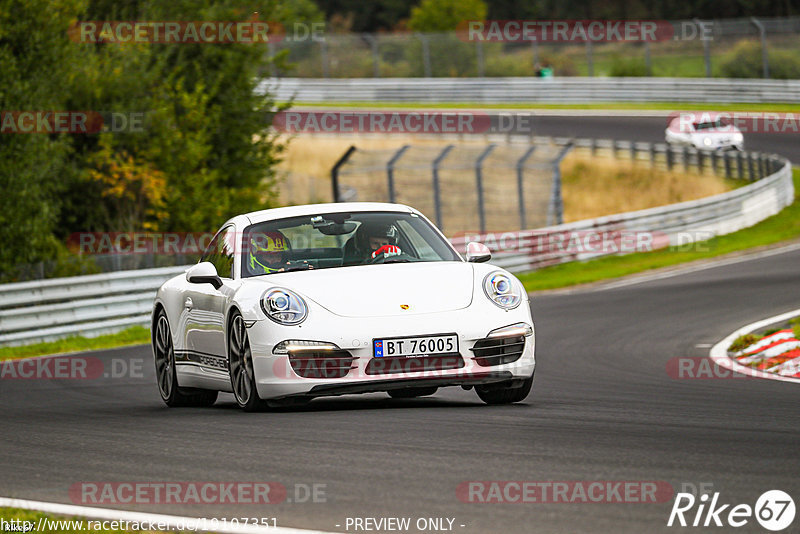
(135,335)
(784,226)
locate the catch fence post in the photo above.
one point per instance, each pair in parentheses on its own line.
(437,202)
(335,171)
(390,171)
(479,186)
(520,186)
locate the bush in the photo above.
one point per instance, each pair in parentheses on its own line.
(744,61)
(627,67)
(795,324)
(508,65)
(742,342)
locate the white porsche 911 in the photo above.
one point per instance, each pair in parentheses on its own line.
(294,303)
(704,131)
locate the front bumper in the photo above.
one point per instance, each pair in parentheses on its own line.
(276,379)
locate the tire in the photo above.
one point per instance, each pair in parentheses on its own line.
(410,393)
(166,378)
(494,394)
(240,367)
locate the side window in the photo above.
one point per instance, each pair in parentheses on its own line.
(220,252)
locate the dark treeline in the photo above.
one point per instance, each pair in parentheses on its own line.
(387,15)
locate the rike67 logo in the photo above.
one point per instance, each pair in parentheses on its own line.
(774,510)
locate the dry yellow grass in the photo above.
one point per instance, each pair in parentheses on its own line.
(592,186)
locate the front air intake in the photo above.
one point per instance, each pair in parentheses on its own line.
(422,364)
(498,350)
(322,364)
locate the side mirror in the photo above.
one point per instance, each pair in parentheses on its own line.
(478,252)
(204,273)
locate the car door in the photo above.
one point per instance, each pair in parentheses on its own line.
(204,306)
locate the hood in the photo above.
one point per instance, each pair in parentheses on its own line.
(380,290)
(720,136)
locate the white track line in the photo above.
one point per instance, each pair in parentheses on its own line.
(171,521)
(719,352)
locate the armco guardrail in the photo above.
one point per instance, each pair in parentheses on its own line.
(676,224)
(558,90)
(44,310)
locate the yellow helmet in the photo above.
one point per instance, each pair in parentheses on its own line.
(267,251)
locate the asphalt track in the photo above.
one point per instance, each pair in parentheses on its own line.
(649,129)
(603,408)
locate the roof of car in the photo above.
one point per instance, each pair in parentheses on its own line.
(699,116)
(311,209)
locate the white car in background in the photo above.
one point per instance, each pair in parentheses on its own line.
(704,131)
(300,302)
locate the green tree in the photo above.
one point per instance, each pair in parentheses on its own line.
(445,15)
(35,58)
(204,154)
(205,125)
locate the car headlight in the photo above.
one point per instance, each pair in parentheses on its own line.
(518,329)
(707,141)
(284,307)
(502,290)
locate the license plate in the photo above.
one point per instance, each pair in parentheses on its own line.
(410,347)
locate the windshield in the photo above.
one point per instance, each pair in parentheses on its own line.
(340,240)
(718,123)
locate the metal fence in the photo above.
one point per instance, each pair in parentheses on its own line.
(699,49)
(90,305)
(673,225)
(462,187)
(88,264)
(732,164)
(554,90)
(510,182)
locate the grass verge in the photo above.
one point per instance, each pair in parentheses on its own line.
(135,335)
(532,106)
(30,520)
(781,227)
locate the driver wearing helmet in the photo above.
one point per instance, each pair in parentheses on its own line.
(267,252)
(380,240)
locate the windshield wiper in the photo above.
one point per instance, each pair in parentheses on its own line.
(397,261)
(297,267)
